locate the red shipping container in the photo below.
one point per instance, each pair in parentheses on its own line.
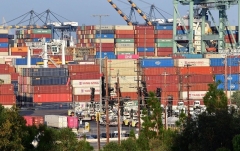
(47,89)
(107,45)
(147,40)
(148,54)
(221,70)
(4,68)
(204,78)
(144,36)
(42,98)
(164,32)
(165,87)
(29,120)
(159,71)
(23,54)
(162,79)
(72,122)
(106,49)
(132,95)
(163,36)
(165,95)
(143,44)
(140,27)
(11,69)
(84,76)
(8,99)
(85,98)
(127,56)
(40,35)
(125,36)
(4,40)
(6,89)
(195,70)
(182,27)
(3,49)
(164,54)
(38,120)
(124,32)
(165,49)
(143,32)
(84,68)
(14,76)
(195,87)
(37,51)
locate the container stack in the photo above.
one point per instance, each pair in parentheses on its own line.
(34,120)
(161,73)
(83,77)
(144,40)
(3,42)
(123,68)
(7,97)
(163,40)
(124,40)
(44,85)
(24,61)
(19,51)
(85,35)
(228,38)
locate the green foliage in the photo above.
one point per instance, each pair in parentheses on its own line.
(236,142)
(129,145)
(236,98)
(132,134)
(152,123)
(111,146)
(223,149)
(215,99)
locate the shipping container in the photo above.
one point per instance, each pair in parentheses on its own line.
(108,36)
(45,72)
(124,32)
(6,78)
(144,32)
(123,79)
(161,78)
(121,71)
(29,120)
(103,40)
(123,27)
(164,27)
(194,87)
(84,76)
(8,99)
(193,95)
(164,36)
(146,63)
(41,98)
(19,49)
(142,27)
(3,40)
(38,120)
(195,70)
(123,49)
(159,71)
(124,45)
(85,90)
(104,27)
(234,78)
(126,56)
(125,36)
(85,83)
(125,52)
(109,55)
(3,45)
(197,78)
(49,89)
(164,54)
(84,68)
(72,122)
(216,62)
(85,98)
(191,56)
(56,121)
(230,86)
(146,54)
(163,32)
(191,62)
(165,87)
(124,40)
(6,89)
(46,80)
(221,70)
(23,54)
(145,49)
(97,45)
(104,31)
(115,63)
(23,61)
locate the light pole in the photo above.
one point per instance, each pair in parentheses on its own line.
(100,64)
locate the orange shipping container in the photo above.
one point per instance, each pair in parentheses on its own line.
(144,36)
(143,44)
(195,87)
(8,99)
(142,32)
(4,40)
(159,71)
(124,32)
(195,70)
(83,68)
(85,98)
(147,40)
(165,95)
(132,95)
(19,49)
(41,98)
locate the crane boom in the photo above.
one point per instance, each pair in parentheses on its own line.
(121,13)
(140,12)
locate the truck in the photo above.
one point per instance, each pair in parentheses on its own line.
(56,121)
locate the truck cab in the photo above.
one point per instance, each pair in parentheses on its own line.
(180,106)
(196,104)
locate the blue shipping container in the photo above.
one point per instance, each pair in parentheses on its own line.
(23,61)
(10,36)
(181,32)
(195,56)
(233,61)
(110,36)
(105,31)
(50,72)
(3,35)
(221,77)
(182,49)
(216,62)
(228,32)
(234,86)
(36,39)
(162,27)
(3,45)
(147,49)
(148,63)
(109,55)
(48,80)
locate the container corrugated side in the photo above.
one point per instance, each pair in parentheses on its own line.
(232,86)
(104,27)
(124,49)
(124,45)
(116,63)
(221,77)
(85,83)
(191,62)
(191,56)
(47,80)
(160,70)
(7,99)
(46,89)
(162,79)
(123,27)
(120,71)
(146,63)
(193,94)
(104,40)
(195,70)
(216,62)
(123,79)
(197,78)
(41,98)
(6,78)
(85,91)
(214,56)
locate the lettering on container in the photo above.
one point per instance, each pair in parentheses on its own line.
(157,62)
(83,83)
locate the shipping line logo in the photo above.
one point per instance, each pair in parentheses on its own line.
(158,63)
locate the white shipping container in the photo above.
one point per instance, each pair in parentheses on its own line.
(6,78)
(3,31)
(85,83)
(124,45)
(56,121)
(123,79)
(198,33)
(123,27)
(121,71)
(3,53)
(197,38)
(9,58)
(85,91)
(126,87)
(193,62)
(193,95)
(118,63)
(104,40)
(106,27)
(2,61)
(124,49)
(198,47)
(197,43)
(214,56)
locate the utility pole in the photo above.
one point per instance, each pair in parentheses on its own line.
(165,102)
(226,80)
(139,96)
(119,115)
(98,130)
(106,101)
(188,87)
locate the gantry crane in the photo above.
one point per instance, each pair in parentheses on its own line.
(125,17)
(141,13)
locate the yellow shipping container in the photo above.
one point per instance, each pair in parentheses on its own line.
(104,40)
(118,63)
(19,49)
(123,79)
(3,31)
(123,27)
(121,71)
(124,49)
(131,87)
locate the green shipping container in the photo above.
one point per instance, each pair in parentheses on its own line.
(124,40)
(124,52)
(163,40)
(164,44)
(41,31)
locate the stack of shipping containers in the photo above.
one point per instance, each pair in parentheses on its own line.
(124,40)
(163,40)
(83,77)
(144,40)
(4,42)
(44,85)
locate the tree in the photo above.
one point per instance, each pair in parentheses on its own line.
(215,99)
(236,98)
(111,146)
(236,142)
